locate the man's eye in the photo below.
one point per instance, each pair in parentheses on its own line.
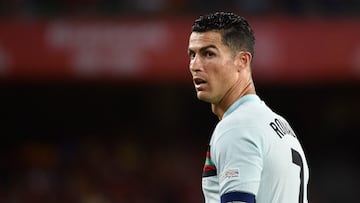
(209,54)
(191,55)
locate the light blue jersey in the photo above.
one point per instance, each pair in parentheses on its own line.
(254,150)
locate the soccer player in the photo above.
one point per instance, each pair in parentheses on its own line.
(254,155)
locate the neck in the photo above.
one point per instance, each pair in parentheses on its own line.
(234,94)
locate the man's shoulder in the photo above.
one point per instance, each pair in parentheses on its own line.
(250,120)
(250,114)
(239,127)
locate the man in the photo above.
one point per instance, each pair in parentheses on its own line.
(254,155)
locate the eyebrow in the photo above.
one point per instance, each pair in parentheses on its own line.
(204,48)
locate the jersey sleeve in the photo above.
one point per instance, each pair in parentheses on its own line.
(238,156)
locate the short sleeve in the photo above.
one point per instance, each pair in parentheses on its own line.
(238,156)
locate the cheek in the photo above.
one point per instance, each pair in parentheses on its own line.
(221,74)
(224,75)
(219,83)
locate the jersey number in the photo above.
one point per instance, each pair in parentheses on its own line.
(296,159)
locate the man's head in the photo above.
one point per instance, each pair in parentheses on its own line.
(235,30)
(220,49)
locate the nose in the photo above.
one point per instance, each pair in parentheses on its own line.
(195,65)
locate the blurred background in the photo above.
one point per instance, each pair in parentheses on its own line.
(97,104)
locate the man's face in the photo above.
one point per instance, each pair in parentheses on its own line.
(212,66)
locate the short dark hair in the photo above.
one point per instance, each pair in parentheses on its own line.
(235,31)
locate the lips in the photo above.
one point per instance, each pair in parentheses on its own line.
(199,83)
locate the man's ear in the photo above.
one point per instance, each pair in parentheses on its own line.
(243,59)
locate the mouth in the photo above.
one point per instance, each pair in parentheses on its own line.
(199,83)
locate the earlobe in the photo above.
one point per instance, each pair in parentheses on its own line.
(240,60)
(243,59)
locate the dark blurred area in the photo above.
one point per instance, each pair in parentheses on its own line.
(68,8)
(77,128)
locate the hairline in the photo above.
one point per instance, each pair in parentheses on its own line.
(222,33)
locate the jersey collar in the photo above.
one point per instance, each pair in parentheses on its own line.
(240,101)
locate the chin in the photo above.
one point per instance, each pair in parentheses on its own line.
(203,97)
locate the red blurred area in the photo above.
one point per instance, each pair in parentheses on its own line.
(288,50)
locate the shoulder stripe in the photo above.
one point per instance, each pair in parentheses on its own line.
(209,166)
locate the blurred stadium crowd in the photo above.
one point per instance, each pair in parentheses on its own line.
(98,169)
(149,145)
